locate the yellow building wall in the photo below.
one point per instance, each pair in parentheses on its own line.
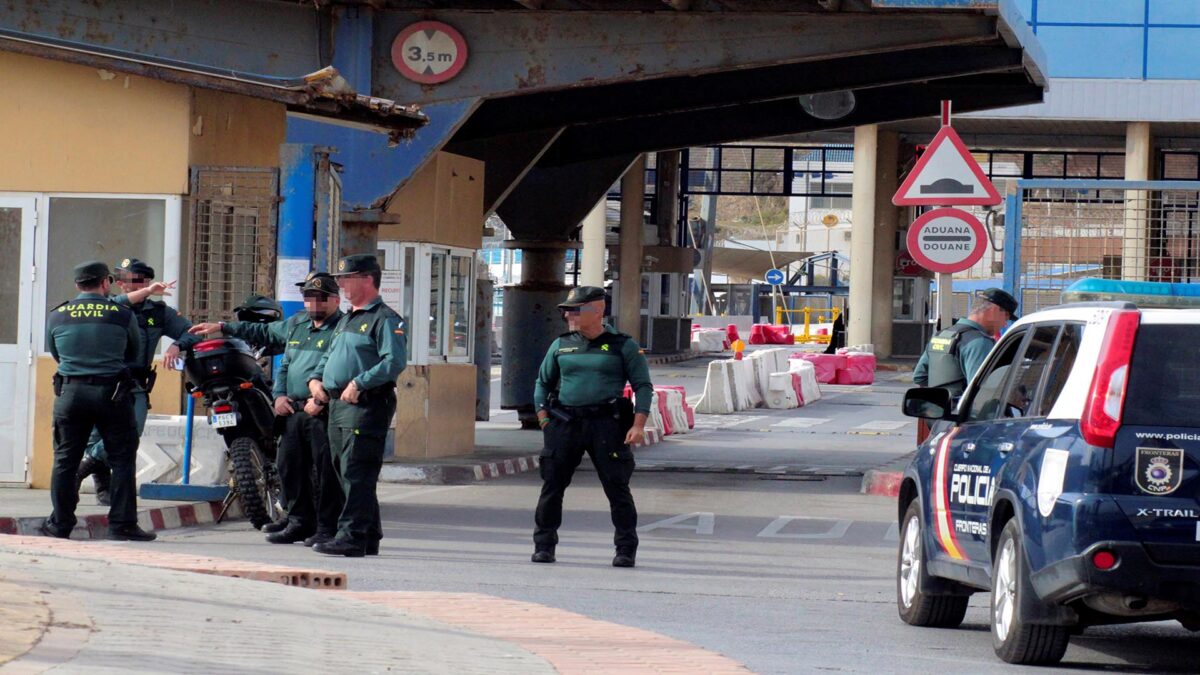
(435,411)
(70,128)
(233,130)
(442,204)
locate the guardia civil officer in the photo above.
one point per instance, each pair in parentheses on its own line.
(956,353)
(581,408)
(312,510)
(356,376)
(93,339)
(155,320)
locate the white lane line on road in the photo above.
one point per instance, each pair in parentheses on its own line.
(836,531)
(802,422)
(884,425)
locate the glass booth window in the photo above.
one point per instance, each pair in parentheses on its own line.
(459,317)
(100,229)
(10,271)
(410,272)
(437,307)
(902,298)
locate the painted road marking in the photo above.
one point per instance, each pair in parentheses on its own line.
(884,425)
(802,422)
(704,523)
(773,531)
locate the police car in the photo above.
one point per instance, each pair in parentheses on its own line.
(1066,481)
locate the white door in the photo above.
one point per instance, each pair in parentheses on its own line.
(17,219)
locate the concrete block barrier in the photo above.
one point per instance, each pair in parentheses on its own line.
(718,397)
(806,375)
(672,409)
(709,340)
(782,393)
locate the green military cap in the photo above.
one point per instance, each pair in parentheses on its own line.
(91,271)
(319,281)
(1001,299)
(581,295)
(136,267)
(357,264)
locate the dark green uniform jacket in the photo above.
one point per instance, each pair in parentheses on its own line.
(156,319)
(368,347)
(953,356)
(590,372)
(303,342)
(92,335)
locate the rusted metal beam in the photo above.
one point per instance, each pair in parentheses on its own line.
(551,50)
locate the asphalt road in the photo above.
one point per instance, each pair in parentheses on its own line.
(787,572)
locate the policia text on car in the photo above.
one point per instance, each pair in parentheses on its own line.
(93,339)
(581,408)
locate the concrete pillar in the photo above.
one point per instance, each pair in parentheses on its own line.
(531,322)
(666,188)
(591,272)
(862,235)
(1139,155)
(887,219)
(633,190)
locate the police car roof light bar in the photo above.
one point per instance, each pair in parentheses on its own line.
(1102,414)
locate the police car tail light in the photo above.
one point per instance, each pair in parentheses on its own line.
(208,345)
(1106,399)
(1104,560)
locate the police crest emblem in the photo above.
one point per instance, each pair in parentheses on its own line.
(1158,471)
(125,262)
(316,283)
(341,265)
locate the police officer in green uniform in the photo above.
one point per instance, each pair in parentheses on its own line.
(955,354)
(93,339)
(356,376)
(313,510)
(581,408)
(155,319)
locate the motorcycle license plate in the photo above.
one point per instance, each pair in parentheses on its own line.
(222,420)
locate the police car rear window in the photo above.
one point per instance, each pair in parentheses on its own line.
(1164,377)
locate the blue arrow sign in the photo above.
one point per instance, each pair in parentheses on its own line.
(775,277)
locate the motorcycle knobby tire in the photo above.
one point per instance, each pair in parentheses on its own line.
(247,480)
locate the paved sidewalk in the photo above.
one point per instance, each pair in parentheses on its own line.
(82,608)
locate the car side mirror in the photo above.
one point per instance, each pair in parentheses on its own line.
(931,403)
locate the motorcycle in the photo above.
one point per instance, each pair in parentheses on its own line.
(225,373)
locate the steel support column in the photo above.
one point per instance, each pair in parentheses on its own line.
(633,190)
(531,322)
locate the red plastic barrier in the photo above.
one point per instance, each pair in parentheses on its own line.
(860,369)
(731,333)
(770,334)
(825,365)
(687,409)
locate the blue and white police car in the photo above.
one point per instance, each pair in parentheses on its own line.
(1066,481)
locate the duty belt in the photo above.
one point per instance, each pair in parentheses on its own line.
(363,396)
(90,379)
(606,409)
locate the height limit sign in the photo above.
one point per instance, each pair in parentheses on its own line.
(429,52)
(947,240)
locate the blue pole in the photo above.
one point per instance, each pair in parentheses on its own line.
(187,441)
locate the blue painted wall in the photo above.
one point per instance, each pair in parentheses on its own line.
(1126,39)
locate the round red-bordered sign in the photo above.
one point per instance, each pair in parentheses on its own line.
(429,52)
(947,240)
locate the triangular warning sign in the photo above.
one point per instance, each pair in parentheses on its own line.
(946,175)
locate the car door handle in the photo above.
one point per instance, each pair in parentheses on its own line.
(1005,448)
(969,447)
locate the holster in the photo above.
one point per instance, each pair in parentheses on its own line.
(58,384)
(624,413)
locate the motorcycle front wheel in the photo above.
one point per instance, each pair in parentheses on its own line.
(255,481)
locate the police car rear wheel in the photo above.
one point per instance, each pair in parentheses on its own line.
(916,608)
(1014,640)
